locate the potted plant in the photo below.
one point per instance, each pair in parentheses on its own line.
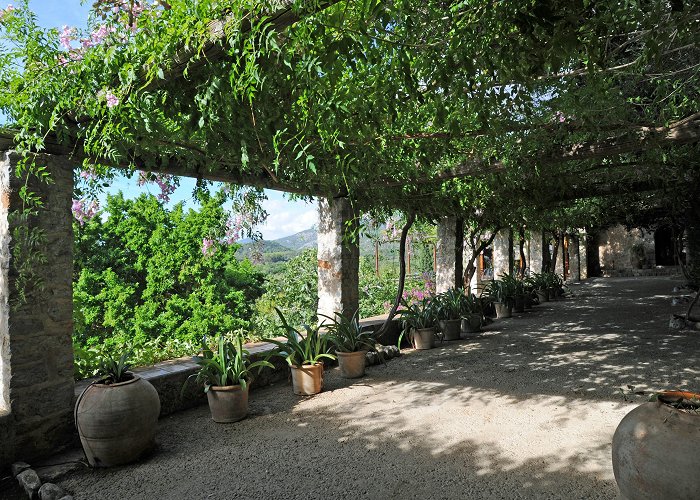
(117,415)
(655,448)
(472,314)
(540,284)
(501,293)
(225,374)
(519,294)
(351,343)
(419,321)
(304,353)
(449,306)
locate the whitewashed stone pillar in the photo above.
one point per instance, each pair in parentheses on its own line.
(535,261)
(582,254)
(449,252)
(338,258)
(475,284)
(501,254)
(559,268)
(574,259)
(36,348)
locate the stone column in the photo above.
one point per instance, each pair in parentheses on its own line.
(535,261)
(574,259)
(582,255)
(501,251)
(475,284)
(338,258)
(449,254)
(36,325)
(559,267)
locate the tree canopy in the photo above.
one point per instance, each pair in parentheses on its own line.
(513,107)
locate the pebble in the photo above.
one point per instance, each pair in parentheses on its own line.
(18,467)
(50,491)
(30,482)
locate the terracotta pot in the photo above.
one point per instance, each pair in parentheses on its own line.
(503,310)
(423,338)
(543,296)
(450,328)
(519,303)
(552,292)
(655,452)
(471,324)
(528,301)
(227,403)
(117,422)
(352,364)
(307,380)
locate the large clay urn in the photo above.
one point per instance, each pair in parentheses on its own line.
(117,422)
(655,451)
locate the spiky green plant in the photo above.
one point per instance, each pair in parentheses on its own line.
(299,349)
(347,334)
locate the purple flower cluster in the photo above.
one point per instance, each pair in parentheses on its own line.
(84,211)
(88,175)
(208,248)
(165,182)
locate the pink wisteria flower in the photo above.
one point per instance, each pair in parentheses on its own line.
(84,211)
(7,10)
(208,248)
(88,175)
(109,98)
(66,36)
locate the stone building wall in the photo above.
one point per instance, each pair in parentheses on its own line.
(36,336)
(616,248)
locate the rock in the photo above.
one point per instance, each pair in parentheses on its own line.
(50,491)
(67,497)
(18,467)
(30,482)
(371,358)
(676,322)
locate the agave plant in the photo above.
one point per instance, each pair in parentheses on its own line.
(229,365)
(347,334)
(450,304)
(501,290)
(113,371)
(299,348)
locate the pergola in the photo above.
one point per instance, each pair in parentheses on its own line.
(36,360)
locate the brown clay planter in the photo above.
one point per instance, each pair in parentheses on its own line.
(471,324)
(117,422)
(307,380)
(655,451)
(351,364)
(423,338)
(228,403)
(503,310)
(519,305)
(451,328)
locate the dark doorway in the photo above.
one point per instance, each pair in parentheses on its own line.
(664,248)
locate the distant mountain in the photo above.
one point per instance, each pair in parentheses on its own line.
(299,241)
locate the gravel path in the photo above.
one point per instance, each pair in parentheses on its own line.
(525,410)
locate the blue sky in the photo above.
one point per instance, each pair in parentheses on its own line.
(285,217)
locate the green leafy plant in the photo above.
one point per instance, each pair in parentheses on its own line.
(473,305)
(501,290)
(450,304)
(113,371)
(299,349)
(347,334)
(229,364)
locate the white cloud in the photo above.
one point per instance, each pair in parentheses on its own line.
(287,217)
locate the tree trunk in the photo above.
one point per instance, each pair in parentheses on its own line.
(521,271)
(402,273)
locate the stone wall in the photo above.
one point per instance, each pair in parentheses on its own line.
(616,248)
(338,258)
(37,334)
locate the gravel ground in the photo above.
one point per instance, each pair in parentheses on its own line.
(525,410)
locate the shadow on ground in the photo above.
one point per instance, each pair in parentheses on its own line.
(525,410)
